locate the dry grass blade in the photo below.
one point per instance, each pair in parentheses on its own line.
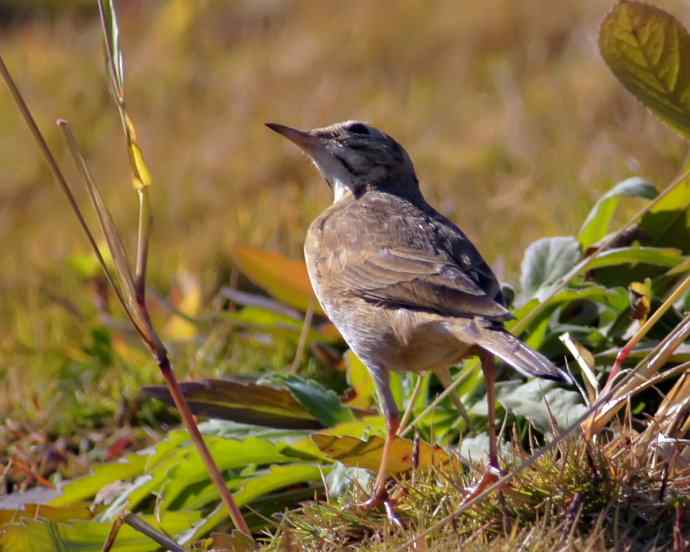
(136,310)
(143,235)
(140,172)
(605,397)
(585,360)
(126,291)
(114,58)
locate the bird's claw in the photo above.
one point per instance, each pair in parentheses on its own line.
(381,498)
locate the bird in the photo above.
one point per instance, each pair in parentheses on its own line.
(405,287)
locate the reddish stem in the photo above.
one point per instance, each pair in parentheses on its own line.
(190,424)
(621,357)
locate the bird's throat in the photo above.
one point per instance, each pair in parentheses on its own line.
(340,190)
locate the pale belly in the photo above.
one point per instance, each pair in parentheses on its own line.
(395,339)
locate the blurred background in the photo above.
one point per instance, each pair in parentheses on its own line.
(514,122)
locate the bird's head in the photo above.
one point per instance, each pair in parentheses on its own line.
(354,157)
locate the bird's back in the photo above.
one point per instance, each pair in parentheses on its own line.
(384,244)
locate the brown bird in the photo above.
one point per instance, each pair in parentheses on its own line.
(405,287)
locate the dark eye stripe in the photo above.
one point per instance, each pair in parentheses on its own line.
(347,165)
(358,128)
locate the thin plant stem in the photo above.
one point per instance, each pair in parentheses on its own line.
(147,333)
(189,422)
(447,391)
(303,337)
(164,540)
(410,405)
(623,354)
(143,235)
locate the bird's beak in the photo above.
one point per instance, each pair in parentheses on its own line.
(305,140)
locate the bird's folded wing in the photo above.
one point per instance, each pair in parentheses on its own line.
(405,277)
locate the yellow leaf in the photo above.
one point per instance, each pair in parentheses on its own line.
(360,380)
(367,454)
(189,304)
(142,177)
(285,279)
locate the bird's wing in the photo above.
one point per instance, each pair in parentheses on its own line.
(418,280)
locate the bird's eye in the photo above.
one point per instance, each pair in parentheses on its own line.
(358,128)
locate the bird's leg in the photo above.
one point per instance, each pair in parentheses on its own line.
(392,415)
(489,369)
(493,471)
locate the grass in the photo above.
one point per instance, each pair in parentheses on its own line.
(577,498)
(514,123)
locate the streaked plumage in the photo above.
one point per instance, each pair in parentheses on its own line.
(405,287)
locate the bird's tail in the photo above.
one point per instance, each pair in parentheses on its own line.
(508,348)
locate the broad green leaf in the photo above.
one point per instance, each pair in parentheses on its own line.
(184,466)
(677,199)
(472,376)
(367,453)
(278,477)
(545,261)
(476,448)
(242,400)
(89,536)
(321,402)
(596,224)
(341,478)
(530,400)
(656,256)
(285,279)
(649,51)
(88,486)
(668,222)
(193,473)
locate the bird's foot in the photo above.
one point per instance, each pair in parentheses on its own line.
(491,476)
(378,499)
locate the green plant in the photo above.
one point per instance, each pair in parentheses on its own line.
(580,296)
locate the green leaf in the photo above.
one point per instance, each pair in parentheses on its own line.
(242,400)
(597,223)
(184,467)
(545,261)
(86,487)
(656,256)
(530,400)
(265,482)
(323,403)
(191,473)
(89,536)
(667,223)
(649,51)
